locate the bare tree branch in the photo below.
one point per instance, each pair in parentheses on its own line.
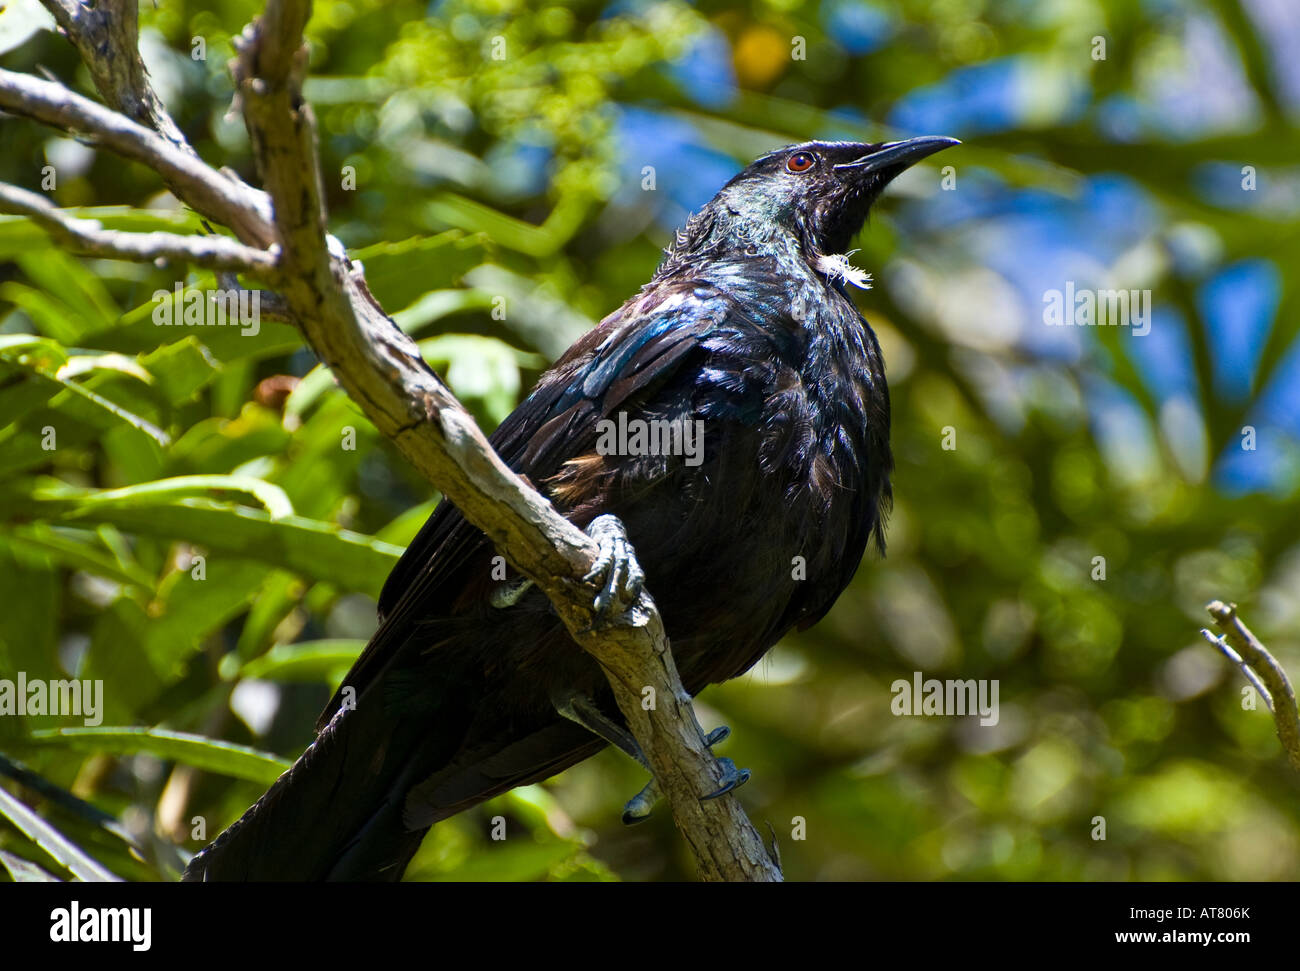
(213,194)
(271,305)
(89,237)
(123,82)
(1258,664)
(382,370)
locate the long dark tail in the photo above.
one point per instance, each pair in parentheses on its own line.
(359,800)
(344,791)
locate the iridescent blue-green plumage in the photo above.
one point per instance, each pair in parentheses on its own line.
(747,328)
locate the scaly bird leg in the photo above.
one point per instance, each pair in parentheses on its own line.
(620,580)
(581,709)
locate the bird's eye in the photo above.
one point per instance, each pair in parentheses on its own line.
(801,162)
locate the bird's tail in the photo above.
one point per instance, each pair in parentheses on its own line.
(357,803)
(345,790)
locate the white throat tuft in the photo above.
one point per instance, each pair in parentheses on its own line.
(836,266)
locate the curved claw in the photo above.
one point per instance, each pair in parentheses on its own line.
(732,778)
(616,570)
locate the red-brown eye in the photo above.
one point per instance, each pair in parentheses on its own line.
(800,162)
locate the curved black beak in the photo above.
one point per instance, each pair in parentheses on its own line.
(900,155)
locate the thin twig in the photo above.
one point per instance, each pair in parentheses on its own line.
(89,237)
(1250,653)
(1246,670)
(271,306)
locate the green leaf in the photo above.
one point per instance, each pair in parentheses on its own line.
(278,597)
(212,755)
(75,285)
(32,593)
(324,661)
(78,550)
(49,839)
(19,235)
(535,313)
(187,610)
(399,273)
(143,649)
(317,382)
(119,655)
(436,304)
(132,458)
(219,445)
(138,332)
(462,213)
(130,219)
(51,316)
(307,547)
(322,473)
(21,393)
(37,353)
(24,871)
(480,369)
(130,418)
(515,861)
(47,360)
(181,368)
(404,527)
(84,363)
(167,491)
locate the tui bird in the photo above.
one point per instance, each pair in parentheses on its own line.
(749,527)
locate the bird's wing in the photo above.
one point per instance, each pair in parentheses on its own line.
(629,354)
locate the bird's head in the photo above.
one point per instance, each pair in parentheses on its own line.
(820,191)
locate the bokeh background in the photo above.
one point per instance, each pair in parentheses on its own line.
(1150,145)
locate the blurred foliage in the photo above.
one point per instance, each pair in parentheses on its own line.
(202,538)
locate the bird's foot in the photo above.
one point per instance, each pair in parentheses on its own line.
(732,778)
(616,573)
(508,593)
(639,807)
